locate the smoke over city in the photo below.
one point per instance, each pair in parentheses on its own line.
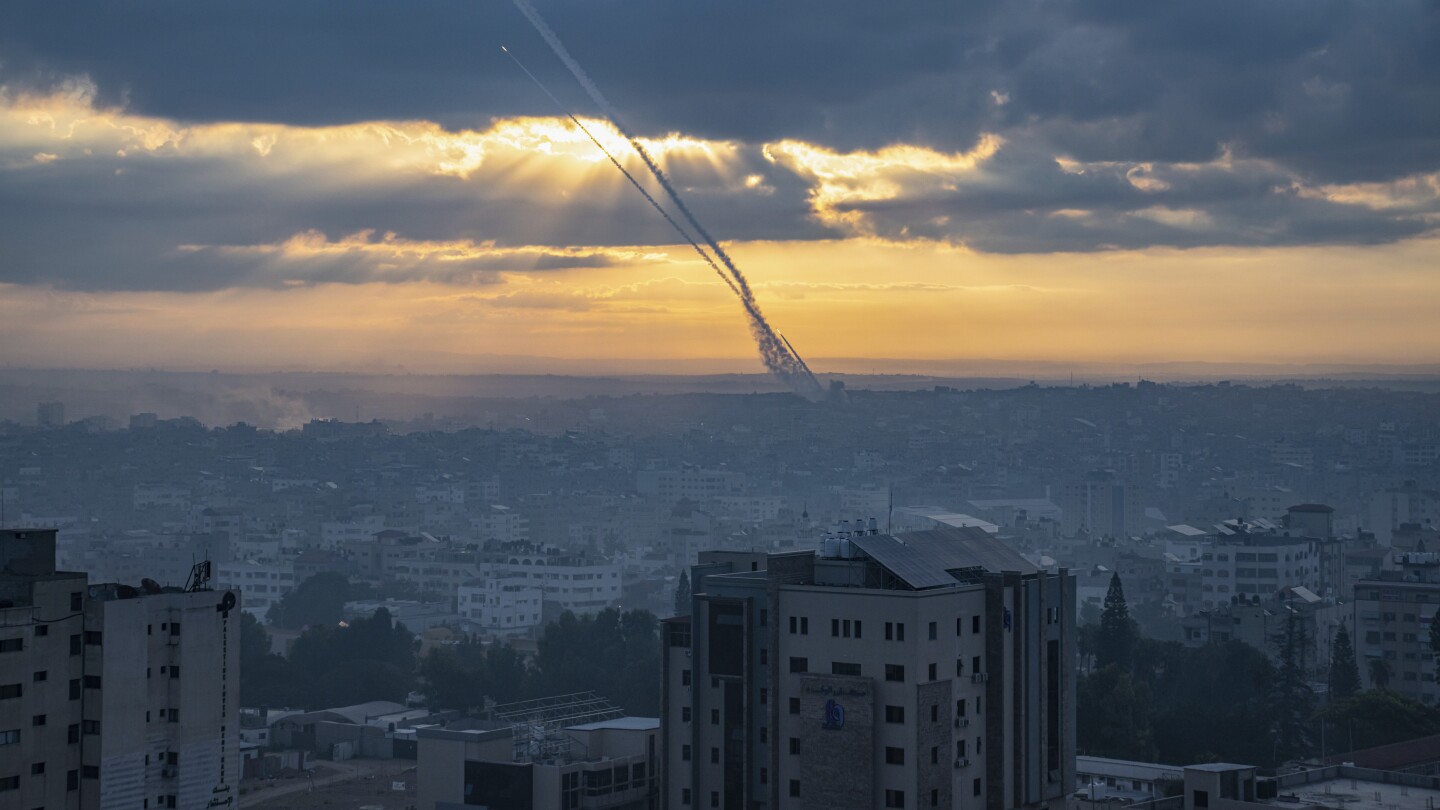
(779,356)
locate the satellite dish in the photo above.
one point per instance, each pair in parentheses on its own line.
(227,602)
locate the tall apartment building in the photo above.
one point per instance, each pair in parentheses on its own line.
(1102,506)
(1392,625)
(926,669)
(130,695)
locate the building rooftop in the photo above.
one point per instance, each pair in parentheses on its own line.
(924,559)
(622,723)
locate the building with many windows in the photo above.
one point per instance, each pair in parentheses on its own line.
(1392,626)
(924,669)
(130,694)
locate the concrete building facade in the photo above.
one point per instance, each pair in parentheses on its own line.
(926,669)
(113,696)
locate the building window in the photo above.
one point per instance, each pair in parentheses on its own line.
(804,625)
(977,786)
(934,713)
(798,664)
(764,696)
(794,625)
(10,690)
(834,628)
(764,617)
(795,787)
(685,753)
(714,756)
(90,771)
(934,755)
(764,656)
(975,623)
(75,644)
(894,672)
(90,726)
(934,797)
(42,629)
(684,677)
(714,717)
(894,798)
(76,598)
(975,664)
(685,714)
(960,707)
(92,638)
(794,705)
(8,645)
(959,622)
(9,783)
(92,681)
(40,675)
(894,756)
(764,734)
(934,630)
(845,668)
(37,720)
(37,768)
(1201,798)
(685,795)
(72,780)
(72,734)
(894,714)
(74,688)
(933,672)
(714,798)
(11,737)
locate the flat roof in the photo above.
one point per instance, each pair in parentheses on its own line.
(623,723)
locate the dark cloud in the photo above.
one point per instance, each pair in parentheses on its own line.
(1298,93)
(107,222)
(1342,89)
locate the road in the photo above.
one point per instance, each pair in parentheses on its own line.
(342,772)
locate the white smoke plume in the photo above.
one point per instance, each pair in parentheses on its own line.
(777,354)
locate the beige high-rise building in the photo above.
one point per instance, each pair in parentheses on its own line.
(113,696)
(925,669)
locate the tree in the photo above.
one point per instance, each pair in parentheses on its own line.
(266,679)
(1211,703)
(1116,641)
(1377,717)
(615,654)
(1113,716)
(318,600)
(1293,700)
(370,659)
(1344,673)
(682,595)
(1380,672)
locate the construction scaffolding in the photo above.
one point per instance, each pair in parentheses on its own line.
(537,727)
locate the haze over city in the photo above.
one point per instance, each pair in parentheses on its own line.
(660,404)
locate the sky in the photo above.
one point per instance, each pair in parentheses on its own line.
(350,185)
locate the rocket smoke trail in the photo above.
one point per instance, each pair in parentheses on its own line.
(779,357)
(628,176)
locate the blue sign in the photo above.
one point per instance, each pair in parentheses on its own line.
(834,715)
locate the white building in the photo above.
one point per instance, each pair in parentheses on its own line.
(692,484)
(261,583)
(502,605)
(111,695)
